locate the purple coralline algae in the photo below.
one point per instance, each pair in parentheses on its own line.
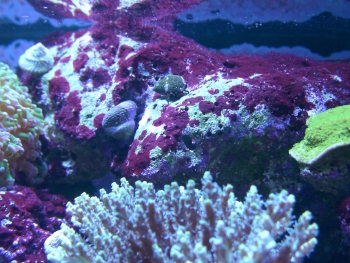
(28,217)
(240,117)
(238,120)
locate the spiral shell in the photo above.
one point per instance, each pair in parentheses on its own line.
(119,122)
(36,60)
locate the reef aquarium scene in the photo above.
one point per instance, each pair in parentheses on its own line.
(174,131)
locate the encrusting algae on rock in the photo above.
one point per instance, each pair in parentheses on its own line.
(323,154)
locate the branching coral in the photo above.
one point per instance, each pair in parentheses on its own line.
(21,123)
(182,225)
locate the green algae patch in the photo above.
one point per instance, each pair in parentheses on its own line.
(326,131)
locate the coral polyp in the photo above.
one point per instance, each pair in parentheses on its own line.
(21,123)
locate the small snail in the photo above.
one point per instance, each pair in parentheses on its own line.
(171,86)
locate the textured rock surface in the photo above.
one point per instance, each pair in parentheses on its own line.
(241,120)
(241,116)
(27,218)
(92,73)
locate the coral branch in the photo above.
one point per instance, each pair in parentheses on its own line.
(181,224)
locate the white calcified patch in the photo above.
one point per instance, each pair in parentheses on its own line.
(157,154)
(319,101)
(259,117)
(127,3)
(90,100)
(218,80)
(255,75)
(336,78)
(171,157)
(215,81)
(68,164)
(92,106)
(81,5)
(142,70)
(146,122)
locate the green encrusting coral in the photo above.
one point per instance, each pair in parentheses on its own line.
(326,131)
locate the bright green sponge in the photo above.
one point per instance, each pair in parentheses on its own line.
(325,132)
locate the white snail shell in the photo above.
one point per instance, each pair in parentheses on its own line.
(36,60)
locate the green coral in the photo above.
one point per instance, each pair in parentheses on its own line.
(21,123)
(325,132)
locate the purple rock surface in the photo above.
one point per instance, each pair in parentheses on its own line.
(239,120)
(241,116)
(27,218)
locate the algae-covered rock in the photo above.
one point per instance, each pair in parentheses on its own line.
(323,154)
